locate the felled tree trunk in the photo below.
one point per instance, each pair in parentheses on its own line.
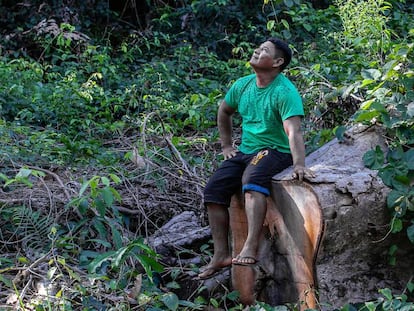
(297,264)
(345,199)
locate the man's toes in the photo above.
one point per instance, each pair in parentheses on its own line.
(207,273)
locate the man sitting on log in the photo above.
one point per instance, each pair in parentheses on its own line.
(271,109)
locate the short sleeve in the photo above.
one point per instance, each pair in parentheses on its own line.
(290,104)
(232,96)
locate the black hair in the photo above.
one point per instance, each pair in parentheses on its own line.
(284,48)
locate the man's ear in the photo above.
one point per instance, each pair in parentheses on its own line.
(278,62)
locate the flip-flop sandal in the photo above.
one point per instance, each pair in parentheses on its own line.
(213,272)
(244,261)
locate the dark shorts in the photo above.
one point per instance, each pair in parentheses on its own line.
(246,171)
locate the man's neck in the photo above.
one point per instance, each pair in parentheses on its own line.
(264,78)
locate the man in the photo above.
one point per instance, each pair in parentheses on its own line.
(271,110)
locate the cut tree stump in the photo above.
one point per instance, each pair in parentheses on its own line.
(285,272)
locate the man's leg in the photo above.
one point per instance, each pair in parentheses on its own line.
(218,216)
(256,187)
(255,206)
(219,189)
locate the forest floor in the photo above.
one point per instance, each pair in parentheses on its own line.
(43,235)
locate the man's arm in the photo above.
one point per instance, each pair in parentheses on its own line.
(297,147)
(225,127)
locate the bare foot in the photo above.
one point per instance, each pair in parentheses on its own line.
(246,257)
(213,268)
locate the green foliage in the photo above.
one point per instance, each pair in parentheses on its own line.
(295,21)
(387,302)
(23,176)
(363,19)
(28,225)
(397,173)
(136,249)
(59,104)
(389,103)
(102,218)
(390,94)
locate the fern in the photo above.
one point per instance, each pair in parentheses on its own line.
(31,227)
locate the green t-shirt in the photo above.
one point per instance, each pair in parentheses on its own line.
(263,111)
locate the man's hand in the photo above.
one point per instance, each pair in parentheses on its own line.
(300,172)
(229,152)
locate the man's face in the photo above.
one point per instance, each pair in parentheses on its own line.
(264,56)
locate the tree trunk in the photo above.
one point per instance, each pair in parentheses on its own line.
(297,263)
(352,262)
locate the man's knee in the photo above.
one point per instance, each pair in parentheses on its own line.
(256,188)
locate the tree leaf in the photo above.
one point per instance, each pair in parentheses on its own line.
(141,245)
(308,27)
(107,196)
(270,24)
(410,286)
(410,233)
(99,260)
(116,235)
(409,158)
(393,198)
(387,175)
(285,23)
(371,74)
(6,281)
(371,305)
(83,188)
(3,177)
(288,3)
(99,225)
(410,109)
(374,159)
(339,133)
(100,206)
(233,296)
(119,255)
(410,201)
(115,178)
(150,262)
(83,205)
(366,116)
(393,250)
(24,173)
(116,194)
(171,301)
(397,225)
(105,181)
(386,292)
